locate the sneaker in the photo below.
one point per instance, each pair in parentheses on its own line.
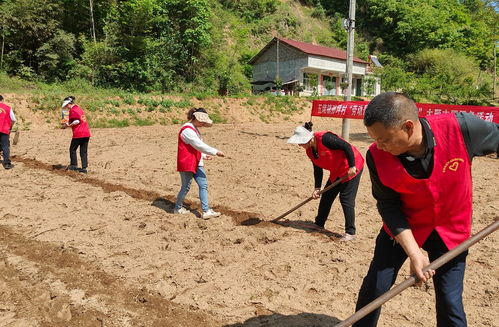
(347,237)
(71,167)
(180,211)
(210,214)
(8,166)
(82,170)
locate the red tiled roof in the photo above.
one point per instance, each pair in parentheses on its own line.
(311,49)
(319,50)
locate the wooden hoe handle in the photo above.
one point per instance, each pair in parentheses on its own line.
(412,279)
(310,198)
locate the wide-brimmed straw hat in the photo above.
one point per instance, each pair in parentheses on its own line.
(203,117)
(301,136)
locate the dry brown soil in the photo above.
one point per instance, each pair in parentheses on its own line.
(105,249)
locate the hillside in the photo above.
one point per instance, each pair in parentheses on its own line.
(434,49)
(38,111)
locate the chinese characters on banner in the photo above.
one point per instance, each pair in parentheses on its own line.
(355,109)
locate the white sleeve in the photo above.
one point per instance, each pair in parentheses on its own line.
(191,137)
(12,116)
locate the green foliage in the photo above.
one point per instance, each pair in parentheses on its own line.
(409,26)
(252,10)
(185,103)
(393,78)
(143,122)
(319,11)
(47,102)
(449,77)
(128,99)
(110,123)
(217,118)
(203,47)
(8,83)
(284,105)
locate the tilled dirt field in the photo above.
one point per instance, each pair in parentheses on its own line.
(105,249)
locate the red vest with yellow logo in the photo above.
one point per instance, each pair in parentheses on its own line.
(81,130)
(4,118)
(334,160)
(443,201)
(187,157)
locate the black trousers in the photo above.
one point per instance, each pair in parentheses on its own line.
(83,144)
(5,143)
(348,193)
(448,280)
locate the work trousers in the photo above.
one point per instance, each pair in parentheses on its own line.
(82,143)
(5,144)
(448,280)
(348,193)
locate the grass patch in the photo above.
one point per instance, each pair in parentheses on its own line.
(143,122)
(128,99)
(110,123)
(282,104)
(217,118)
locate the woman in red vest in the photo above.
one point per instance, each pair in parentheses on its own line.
(328,151)
(421,179)
(7,120)
(190,154)
(81,134)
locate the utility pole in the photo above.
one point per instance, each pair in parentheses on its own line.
(92,20)
(349,25)
(277,61)
(277,76)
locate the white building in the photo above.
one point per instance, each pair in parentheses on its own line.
(309,69)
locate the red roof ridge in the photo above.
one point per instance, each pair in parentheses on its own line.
(320,50)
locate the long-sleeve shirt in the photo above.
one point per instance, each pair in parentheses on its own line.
(12,116)
(192,138)
(481,138)
(333,142)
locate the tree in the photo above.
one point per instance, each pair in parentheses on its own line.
(27,26)
(448,76)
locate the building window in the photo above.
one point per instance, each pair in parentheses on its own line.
(329,85)
(310,81)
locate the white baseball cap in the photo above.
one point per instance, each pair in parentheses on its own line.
(301,136)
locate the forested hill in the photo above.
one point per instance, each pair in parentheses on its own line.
(442,50)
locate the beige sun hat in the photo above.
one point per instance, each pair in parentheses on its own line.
(301,136)
(203,118)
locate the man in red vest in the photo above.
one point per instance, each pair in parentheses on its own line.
(413,164)
(7,120)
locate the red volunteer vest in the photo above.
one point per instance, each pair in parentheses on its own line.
(81,130)
(4,119)
(442,202)
(187,157)
(334,160)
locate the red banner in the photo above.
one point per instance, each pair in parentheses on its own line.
(355,109)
